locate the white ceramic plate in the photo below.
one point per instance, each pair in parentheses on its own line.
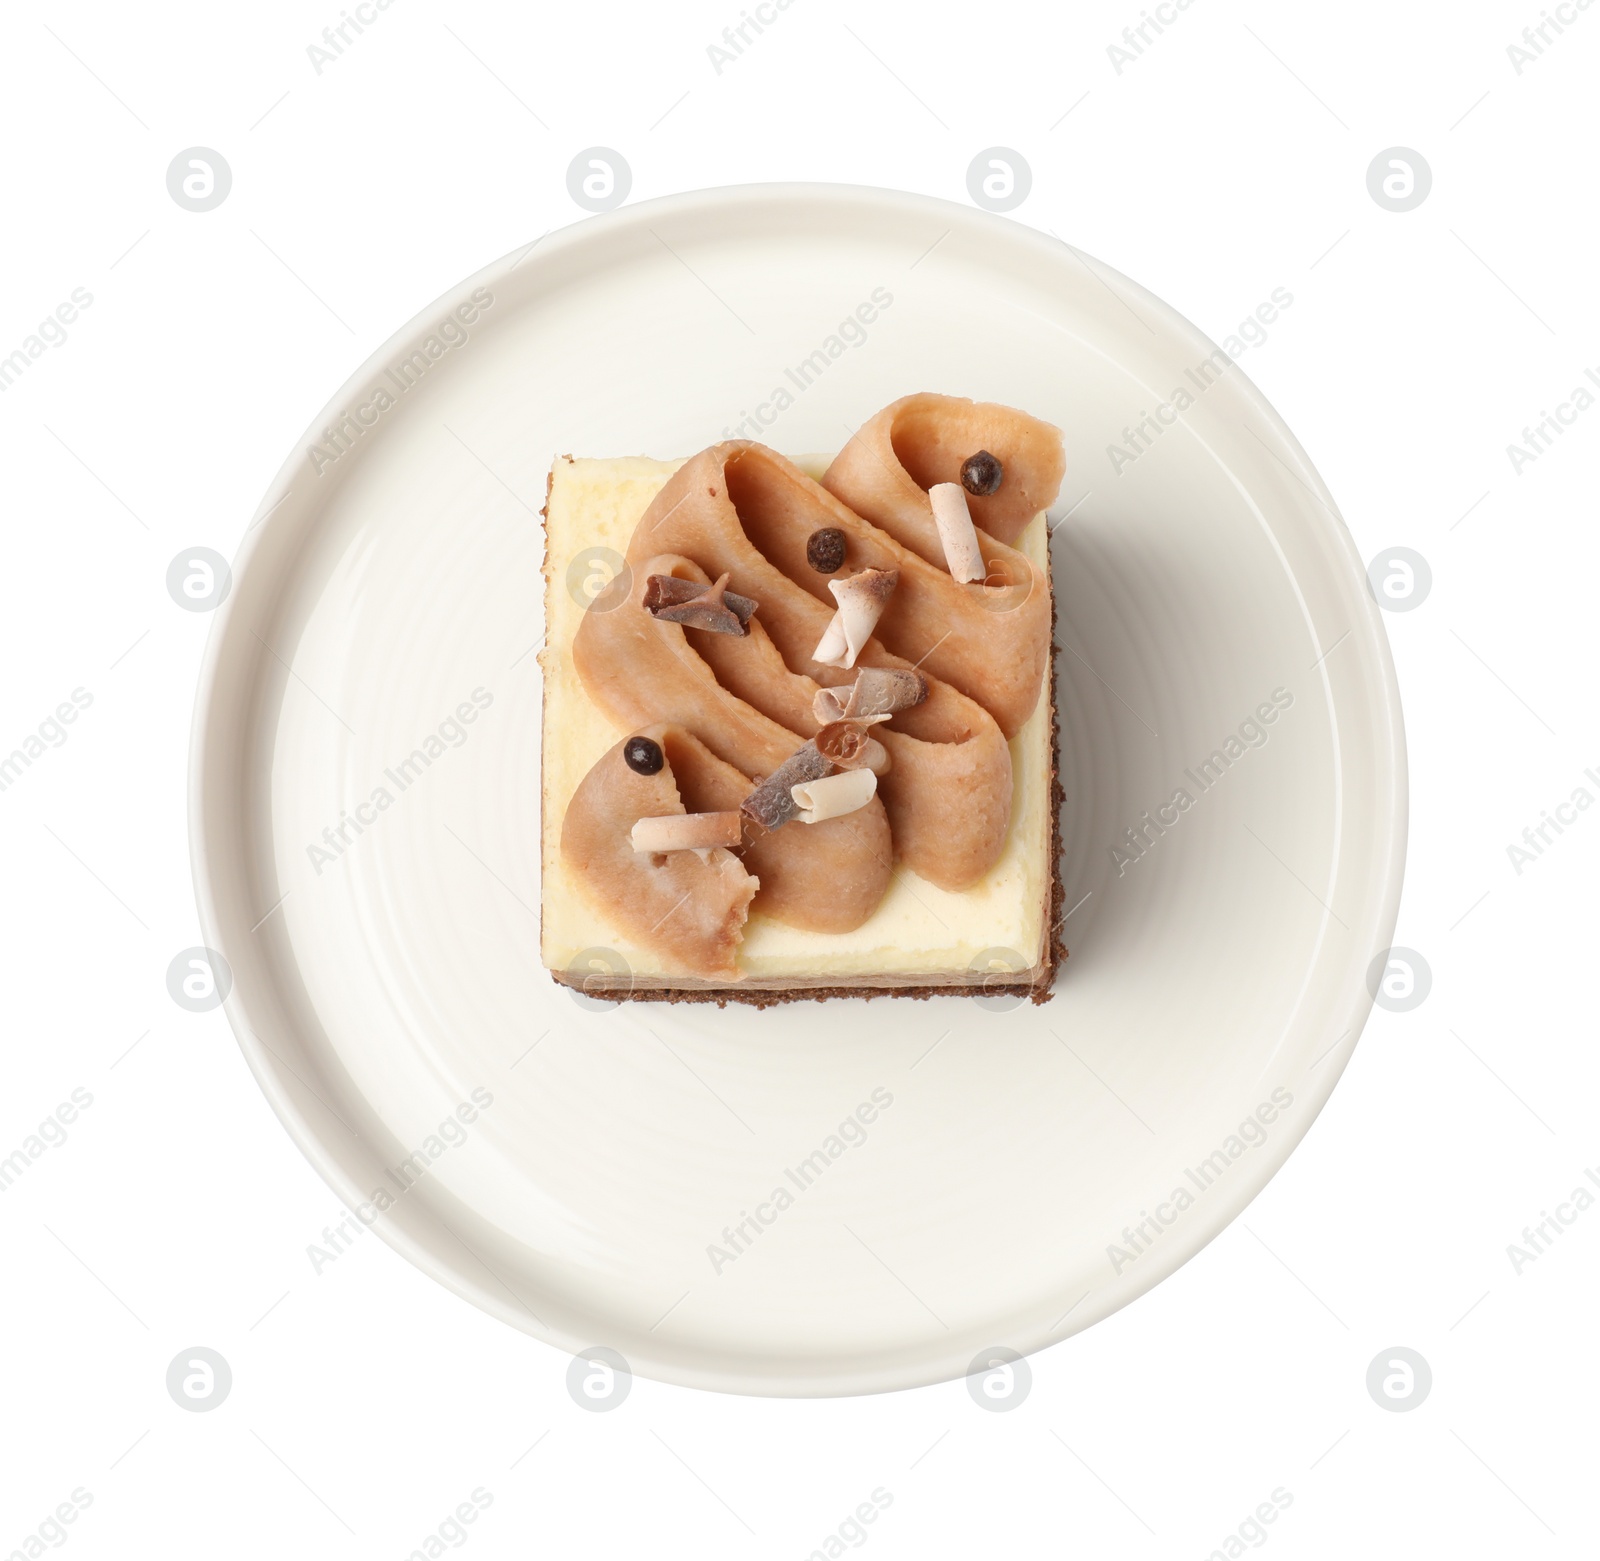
(996,1199)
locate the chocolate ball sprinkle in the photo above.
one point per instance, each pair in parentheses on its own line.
(981,474)
(643,756)
(825,550)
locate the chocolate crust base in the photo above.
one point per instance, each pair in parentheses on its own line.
(1040,991)
(1039,984)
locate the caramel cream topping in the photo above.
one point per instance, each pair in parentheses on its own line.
(948,793)
(751,513)
(693,909)
(885,472)
(638,670)
(905,761)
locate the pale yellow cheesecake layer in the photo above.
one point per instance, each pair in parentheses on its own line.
(918,929)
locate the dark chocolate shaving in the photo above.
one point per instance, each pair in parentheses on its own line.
(770,805)
(711,607)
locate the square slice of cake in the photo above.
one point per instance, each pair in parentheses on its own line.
(799,736)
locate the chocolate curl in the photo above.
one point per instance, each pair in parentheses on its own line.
(876,694)
(850,746)
(687,832)
(956,532)
(834,795)
(770,804)
(861,600)
(711,607)
(828,707)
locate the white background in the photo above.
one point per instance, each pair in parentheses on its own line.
(1227,160)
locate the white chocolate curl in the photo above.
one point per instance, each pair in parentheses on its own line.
(686,832)
(861,600)
(834,795)
(954,520)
